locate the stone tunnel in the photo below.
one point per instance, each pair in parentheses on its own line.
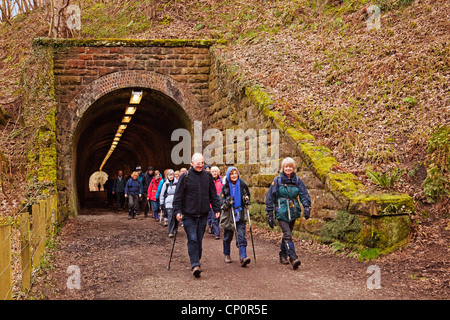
(184,82)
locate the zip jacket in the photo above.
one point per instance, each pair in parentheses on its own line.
(284,198)
(133,187)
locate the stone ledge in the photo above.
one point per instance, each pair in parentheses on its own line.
(113,42)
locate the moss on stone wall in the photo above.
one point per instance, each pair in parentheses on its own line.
(39,109)
(357,232)
(112,42)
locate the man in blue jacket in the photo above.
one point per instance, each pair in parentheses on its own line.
(194,194)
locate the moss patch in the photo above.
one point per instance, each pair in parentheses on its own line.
(382,204)
(299,135)
(112,42)
(319,157)
(357,232)
(345,227)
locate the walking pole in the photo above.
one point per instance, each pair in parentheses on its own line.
(251,234)
(235,229)
(173,245)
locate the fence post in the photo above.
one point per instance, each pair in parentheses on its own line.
(48,218)
(35,210)
(5,262)
(25,253)
(42,228)
(55,201)
(53,220)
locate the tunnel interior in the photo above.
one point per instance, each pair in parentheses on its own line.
(145,142)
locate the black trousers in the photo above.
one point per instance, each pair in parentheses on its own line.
(287,246)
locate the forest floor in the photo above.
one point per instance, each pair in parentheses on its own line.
(121,259)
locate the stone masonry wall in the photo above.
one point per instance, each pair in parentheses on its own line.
(76,67)
(84,70)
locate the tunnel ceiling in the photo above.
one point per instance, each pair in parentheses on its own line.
(145,142)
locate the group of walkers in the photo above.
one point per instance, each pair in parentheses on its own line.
(147,192)
(199,196)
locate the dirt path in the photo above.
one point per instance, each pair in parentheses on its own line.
(127,259)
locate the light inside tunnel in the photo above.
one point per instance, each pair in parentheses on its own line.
(136,97)
(130,110)
(121,129)
(145,140)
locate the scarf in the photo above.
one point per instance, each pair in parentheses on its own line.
(235,191)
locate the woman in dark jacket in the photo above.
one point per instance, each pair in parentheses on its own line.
(283,199)
(235,198)
(133,191)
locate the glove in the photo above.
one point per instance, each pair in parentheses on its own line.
(270,220)
(307,212)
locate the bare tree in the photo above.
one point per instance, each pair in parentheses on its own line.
(57,17)
(10,8)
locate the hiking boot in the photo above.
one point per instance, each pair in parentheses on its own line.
(245,261)
(171,235)
(295,263)
(227,258)
(283,258)
(196,271)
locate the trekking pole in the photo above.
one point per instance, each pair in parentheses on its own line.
(173,245)
(251,234)
(235,229)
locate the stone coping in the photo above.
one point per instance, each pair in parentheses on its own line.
(113,42)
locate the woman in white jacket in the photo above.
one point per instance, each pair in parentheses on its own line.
(166,199)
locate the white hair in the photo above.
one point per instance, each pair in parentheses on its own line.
(196,156)
(287,161)
(215,169)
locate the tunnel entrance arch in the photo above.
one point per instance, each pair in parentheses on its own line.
(90,120)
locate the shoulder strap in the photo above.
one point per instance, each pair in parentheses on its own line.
(185,178)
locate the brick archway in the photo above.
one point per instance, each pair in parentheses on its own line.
(70,117)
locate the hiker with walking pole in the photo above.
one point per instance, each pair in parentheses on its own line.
(194,194)
(283,199)
(173,244)
(235,197)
